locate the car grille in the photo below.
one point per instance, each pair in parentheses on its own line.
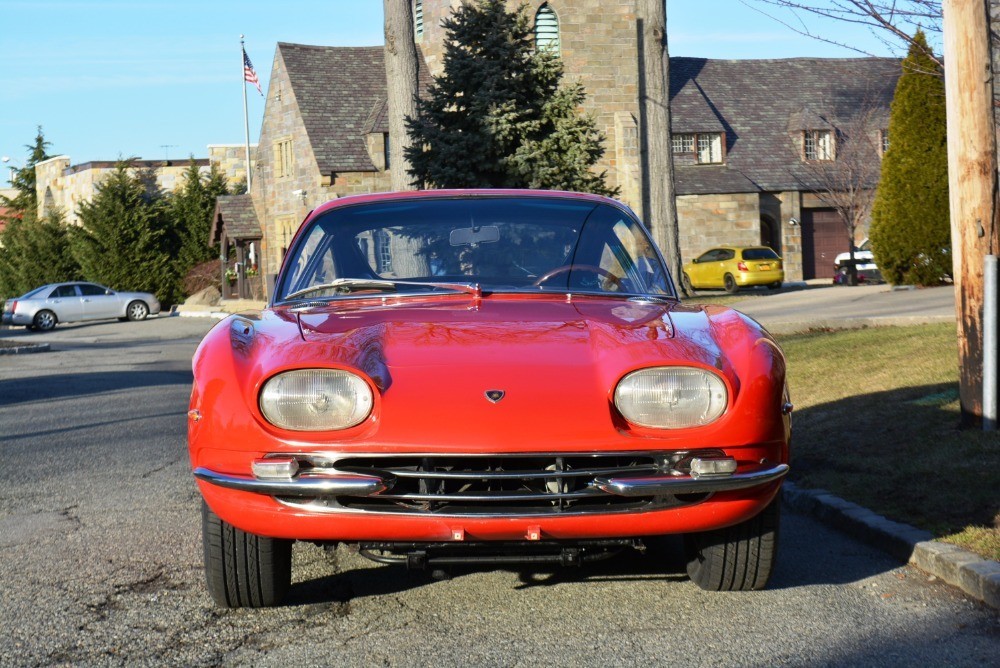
(499,485)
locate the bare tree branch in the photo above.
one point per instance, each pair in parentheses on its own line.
(847,183)
(893,22)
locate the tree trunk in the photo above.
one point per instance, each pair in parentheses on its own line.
(401,86)
(658,197)
(972,182)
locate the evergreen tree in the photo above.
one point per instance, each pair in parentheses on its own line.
(190,210)
(33,252)
(497,117)
(910,229)
(36,252)
(122,240)
(25,202)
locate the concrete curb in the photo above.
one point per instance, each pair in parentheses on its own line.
(797,327)
(25,349)
(218,315)
(977,577)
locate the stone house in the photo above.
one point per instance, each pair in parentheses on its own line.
(59,184)
(743,132)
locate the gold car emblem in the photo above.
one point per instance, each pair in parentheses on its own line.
(494,395)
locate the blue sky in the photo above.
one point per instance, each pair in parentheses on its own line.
(161,78)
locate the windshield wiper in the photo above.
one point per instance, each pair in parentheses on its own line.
(345,286)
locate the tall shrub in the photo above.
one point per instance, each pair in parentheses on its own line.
(910,229)
(33,252)
(122,240)
(497,116)
(189,210)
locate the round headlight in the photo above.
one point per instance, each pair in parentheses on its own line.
(315,400)
(671,397)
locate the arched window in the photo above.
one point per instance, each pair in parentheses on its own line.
(418,18)
(547,30)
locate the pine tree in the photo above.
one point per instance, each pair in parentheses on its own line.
(910,229)
(190,210)
(33,252)
(122,239)
(25,202)
(497,116)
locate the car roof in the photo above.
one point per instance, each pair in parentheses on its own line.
(481,193)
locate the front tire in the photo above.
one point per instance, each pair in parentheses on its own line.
(244,570)
(737,558)
(137,310)
(730,284)
(44,321)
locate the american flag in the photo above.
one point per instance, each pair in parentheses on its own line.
(248,72)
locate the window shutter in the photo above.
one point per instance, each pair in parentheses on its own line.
(547,30)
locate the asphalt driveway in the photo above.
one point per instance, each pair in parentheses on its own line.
(836,306)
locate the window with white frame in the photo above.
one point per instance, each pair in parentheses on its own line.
(817,145)
(709,149)
(680,144)
(706,148)
(883,141)
(547,30)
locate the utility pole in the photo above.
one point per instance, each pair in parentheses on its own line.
(659,205)
(972,182)
(401,86)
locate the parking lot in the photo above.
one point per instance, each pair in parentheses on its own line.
(101,545)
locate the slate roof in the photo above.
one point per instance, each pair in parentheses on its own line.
(236,214)
(762,106)
(341,96)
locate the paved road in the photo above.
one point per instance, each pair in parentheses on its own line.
(100,561)
(839,306)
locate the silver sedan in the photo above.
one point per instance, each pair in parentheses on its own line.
(44,307)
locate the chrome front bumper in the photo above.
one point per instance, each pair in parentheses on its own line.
(669,484)
(335,483)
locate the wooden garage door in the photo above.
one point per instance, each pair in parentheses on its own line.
(823,238)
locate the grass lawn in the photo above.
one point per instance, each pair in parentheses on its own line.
(876,422)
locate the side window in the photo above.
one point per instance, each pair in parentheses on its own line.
(726,255)
(63,291)
(91,290)
(709,256)
(628,261)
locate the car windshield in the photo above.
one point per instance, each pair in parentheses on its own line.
(759,254)
(527,244)
(35,293)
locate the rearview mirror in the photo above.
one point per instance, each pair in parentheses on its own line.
(468,236)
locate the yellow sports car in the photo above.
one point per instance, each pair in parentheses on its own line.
(732,268)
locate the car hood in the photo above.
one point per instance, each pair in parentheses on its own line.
(434,360)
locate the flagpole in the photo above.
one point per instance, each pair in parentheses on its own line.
(246,118)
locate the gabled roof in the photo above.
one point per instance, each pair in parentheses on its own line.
(235,214)
(762,105)
(341,94)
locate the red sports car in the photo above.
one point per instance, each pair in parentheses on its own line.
(491,375)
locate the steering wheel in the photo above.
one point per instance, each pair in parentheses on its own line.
(603,273)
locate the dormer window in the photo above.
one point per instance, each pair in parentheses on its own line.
(706,148)
(547,30)
(817,145)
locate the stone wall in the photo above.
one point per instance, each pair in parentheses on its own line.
(599,47)
(707,221)
(232,160)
